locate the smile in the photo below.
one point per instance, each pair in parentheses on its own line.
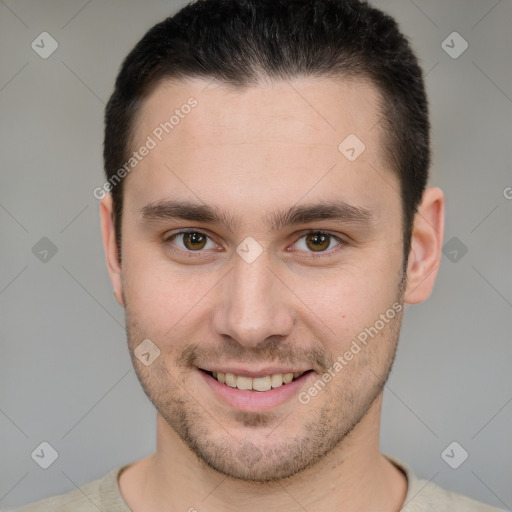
(264,383)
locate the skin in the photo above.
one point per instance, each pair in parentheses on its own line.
(250,152)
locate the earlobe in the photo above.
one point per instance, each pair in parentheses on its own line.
(110,246)
(426,245)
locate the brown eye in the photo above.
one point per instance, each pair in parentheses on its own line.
(318,241)
(190,241)
(194,241)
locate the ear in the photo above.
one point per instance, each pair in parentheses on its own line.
(426,245)
(110,245)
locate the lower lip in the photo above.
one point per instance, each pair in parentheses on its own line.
(255,401)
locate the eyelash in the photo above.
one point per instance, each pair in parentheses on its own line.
(320,254)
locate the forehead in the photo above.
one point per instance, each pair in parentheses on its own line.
(259,145)
(302,110)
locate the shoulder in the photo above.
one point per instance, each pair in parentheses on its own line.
(427,496)
(102,494)
(432,497)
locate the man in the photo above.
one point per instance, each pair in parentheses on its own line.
(265,220)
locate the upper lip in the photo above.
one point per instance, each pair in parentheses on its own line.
(252,373)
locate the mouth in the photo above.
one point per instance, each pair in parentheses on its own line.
(255,391)
(260,384)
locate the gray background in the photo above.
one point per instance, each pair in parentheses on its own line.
(65,373)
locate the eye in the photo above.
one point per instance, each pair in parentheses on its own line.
(317,241)
(312,242)
(191,240)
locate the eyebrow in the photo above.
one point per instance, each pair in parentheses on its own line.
(277,220)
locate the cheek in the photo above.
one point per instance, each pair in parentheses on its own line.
(348,300)
(162,300)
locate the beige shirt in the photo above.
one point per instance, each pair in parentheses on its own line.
(104,494)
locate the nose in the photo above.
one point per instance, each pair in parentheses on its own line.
(253,304)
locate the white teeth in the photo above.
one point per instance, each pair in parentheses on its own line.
(277,380)
(261,383)
(244,382)
(230,380)
(287,378)
(258,383)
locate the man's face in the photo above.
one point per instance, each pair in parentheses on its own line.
(294,297)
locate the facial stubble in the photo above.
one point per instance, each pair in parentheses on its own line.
(327,423)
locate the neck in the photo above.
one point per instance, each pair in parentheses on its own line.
(354,477)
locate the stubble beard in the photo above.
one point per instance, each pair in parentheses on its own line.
(327,424)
